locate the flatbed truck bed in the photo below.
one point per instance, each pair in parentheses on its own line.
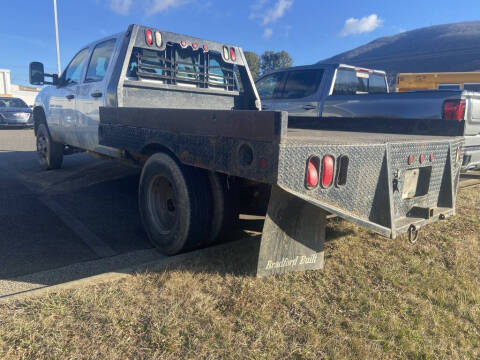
(387,181)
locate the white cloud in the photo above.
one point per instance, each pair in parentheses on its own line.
(121,7)
(275,13)
(269,15)
(366,24)
(158,6)
(267,33)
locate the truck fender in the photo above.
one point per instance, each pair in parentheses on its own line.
(39,118)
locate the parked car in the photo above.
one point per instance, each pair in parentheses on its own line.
(339,90)
(14,112)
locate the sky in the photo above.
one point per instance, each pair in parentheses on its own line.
(310,30)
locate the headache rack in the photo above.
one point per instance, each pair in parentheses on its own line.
(183,66)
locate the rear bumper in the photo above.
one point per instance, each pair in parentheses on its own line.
(374,196)
(471,152)
(471,157)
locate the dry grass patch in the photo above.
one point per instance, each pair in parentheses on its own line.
(376,298)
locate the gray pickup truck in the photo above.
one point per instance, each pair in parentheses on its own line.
(186,110)
(338,90)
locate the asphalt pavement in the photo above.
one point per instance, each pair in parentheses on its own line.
(68,224)
(61,225)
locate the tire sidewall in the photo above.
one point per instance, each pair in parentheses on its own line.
(43,132)
(175,239)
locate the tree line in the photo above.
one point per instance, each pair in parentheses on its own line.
(268,61)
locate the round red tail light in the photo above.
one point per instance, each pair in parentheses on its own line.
(312,174)
(411,159)
(233,56)
(149,37)
(327,171)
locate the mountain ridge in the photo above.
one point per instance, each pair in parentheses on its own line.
(446,47)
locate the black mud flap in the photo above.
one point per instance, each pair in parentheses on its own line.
(293,235)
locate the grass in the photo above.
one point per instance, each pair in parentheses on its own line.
(376,298)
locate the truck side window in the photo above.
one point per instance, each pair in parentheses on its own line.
(99,61)
(377,84)
(302,83)
(73,72)
(268,87)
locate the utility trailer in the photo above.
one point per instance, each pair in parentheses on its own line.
(187,110)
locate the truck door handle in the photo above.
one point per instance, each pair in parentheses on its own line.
(309,107)
(96,94)
(70,96)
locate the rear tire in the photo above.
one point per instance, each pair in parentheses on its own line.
(50,153)
(175,204)
(225,209)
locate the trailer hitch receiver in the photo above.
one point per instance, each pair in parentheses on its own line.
(413,234)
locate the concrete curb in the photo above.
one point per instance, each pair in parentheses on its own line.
(156,265)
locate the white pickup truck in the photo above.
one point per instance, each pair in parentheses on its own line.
(186,110)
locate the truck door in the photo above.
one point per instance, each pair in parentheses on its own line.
(62,115)
(269,89)
(298,93)
(92,92)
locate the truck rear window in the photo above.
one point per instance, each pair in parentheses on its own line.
(184,67)
(350,82)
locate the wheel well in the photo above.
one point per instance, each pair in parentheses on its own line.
(151,149)
(39,118)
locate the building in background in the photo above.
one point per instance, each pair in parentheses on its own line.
(26,93)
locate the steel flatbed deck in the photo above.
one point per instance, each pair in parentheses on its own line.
(336,137)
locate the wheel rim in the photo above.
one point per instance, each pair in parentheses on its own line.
(42,146)
(162,204)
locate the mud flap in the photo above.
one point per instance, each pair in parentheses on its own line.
(293,235)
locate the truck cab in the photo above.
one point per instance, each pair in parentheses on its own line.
(303,90)
(156,68)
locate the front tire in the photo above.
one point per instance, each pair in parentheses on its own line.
(50,153)
(175,204)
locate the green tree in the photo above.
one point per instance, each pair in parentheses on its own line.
(271,60)
(253,61)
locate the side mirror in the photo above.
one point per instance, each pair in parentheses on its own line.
(36,73)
